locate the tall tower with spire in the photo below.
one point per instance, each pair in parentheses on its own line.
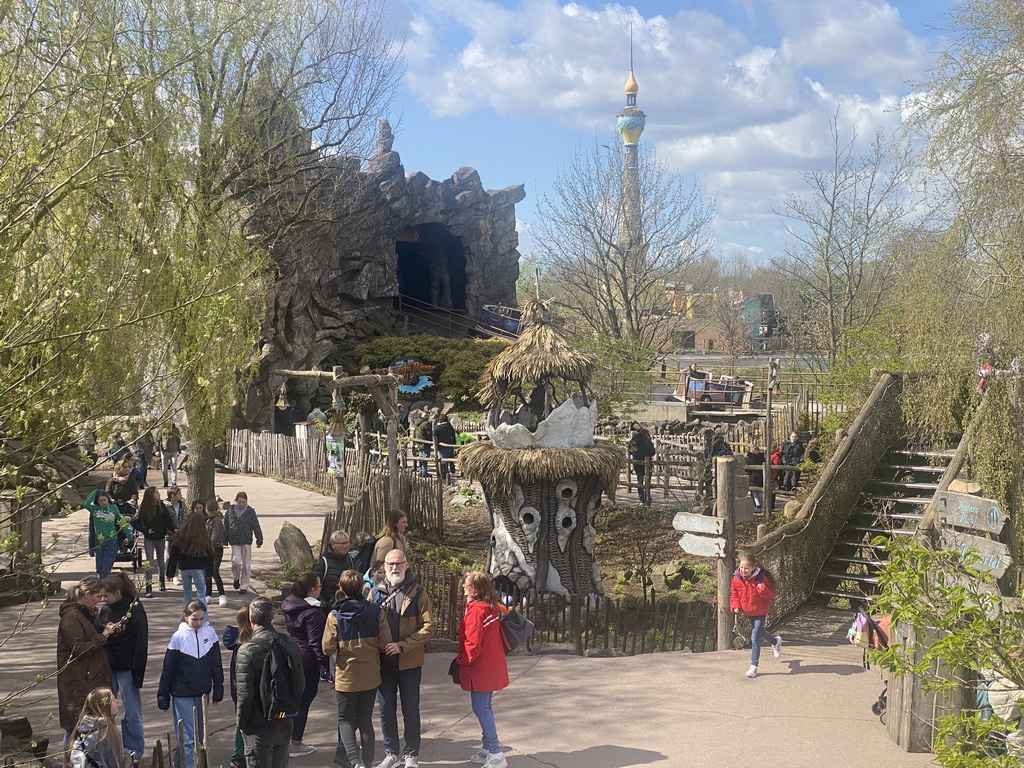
(631,123)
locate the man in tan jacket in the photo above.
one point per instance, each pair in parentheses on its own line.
(410,620)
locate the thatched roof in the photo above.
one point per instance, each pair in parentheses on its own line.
(541,351)
(498,469)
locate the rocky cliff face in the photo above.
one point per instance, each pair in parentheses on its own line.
(339,276)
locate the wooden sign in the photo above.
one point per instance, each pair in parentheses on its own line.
(966,511)
(698,523)
(702,546)
(995,556)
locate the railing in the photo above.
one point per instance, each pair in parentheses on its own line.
(629,625)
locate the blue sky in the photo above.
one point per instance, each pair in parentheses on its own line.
(737,92)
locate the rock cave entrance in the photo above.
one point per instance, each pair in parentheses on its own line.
(432,266)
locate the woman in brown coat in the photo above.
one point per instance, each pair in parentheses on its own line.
(81,654)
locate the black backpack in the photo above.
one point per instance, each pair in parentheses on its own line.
(277,691)
(363,554)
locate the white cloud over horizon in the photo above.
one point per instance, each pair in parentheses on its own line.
(745,115)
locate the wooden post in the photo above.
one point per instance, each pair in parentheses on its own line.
(727,562)
(767,492)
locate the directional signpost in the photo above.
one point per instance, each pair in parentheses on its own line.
(995,556)
(966,511)
(698,524)
(702,546)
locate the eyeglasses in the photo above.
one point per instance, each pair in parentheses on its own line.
(396,565)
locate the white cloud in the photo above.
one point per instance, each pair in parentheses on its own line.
(747,116)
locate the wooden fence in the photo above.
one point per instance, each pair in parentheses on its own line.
(366,477)
(630,625)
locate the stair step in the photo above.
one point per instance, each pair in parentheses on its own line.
(871,529)
(860,545)
(913,468)
(897,484)
(847,595)
(854,561)
(887,515)
(899,499)
(852,577)
(930,454)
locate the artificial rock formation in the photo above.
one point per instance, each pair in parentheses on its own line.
(339,275)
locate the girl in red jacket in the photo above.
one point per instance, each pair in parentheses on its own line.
(751,594)
(481,659)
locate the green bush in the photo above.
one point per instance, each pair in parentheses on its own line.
(459,362)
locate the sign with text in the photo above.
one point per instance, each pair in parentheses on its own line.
(966,511)
(995,556)
(698,523)
(702,546)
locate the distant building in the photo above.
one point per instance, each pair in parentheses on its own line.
(729,321)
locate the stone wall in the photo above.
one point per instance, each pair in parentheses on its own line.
(338,275)
(795,552)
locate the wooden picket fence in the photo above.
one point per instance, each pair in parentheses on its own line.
(629,625)
(366,477)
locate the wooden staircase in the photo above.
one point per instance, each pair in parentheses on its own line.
(892,504)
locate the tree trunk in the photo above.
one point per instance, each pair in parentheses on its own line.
(201,480)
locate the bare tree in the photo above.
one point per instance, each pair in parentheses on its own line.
(844,230)
(612,252)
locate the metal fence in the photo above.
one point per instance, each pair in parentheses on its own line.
(629,625)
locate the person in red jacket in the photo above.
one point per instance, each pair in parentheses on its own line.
(481,660)
(751,594)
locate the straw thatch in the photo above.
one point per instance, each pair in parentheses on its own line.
(498,469)
(540,352)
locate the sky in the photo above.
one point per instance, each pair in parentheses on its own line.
(738,93)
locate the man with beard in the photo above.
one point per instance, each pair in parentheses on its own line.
(411,620)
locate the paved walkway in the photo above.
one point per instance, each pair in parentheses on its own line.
(670,710)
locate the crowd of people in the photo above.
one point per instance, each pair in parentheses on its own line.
(361,627)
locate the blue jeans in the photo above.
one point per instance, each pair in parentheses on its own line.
(192,728)
(447,467)
(132,735)
(194,577)
(405,683)
(105,554)
(758,634)
(481,701)
(155,559)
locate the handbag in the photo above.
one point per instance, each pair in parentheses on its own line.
(453,671)
(515,630)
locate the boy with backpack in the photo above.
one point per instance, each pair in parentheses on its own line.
(269,683)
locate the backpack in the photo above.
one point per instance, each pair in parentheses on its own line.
(515,630)
(363,554)
(79,758)
(277,692)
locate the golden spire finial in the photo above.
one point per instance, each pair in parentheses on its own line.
(631,86)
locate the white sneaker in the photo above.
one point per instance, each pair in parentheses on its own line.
(177,581)
(752,672)
(480,756)
(411,761)
(223,601)
(389,761)
(300,749)
(777,646)
(496,760)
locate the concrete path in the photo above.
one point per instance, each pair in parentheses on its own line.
(670,710)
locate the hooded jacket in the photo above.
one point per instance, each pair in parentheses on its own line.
(752,596)
(357,631)
(410,618)
(481,659)
(104,522)
(249,717)
(128,649)
(240,528)
(92,743)
(329,568)
(305,622)
(81,661)
(192,666)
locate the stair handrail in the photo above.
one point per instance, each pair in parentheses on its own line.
(456,319)
(926,525)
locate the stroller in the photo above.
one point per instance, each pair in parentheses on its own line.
(129,543)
